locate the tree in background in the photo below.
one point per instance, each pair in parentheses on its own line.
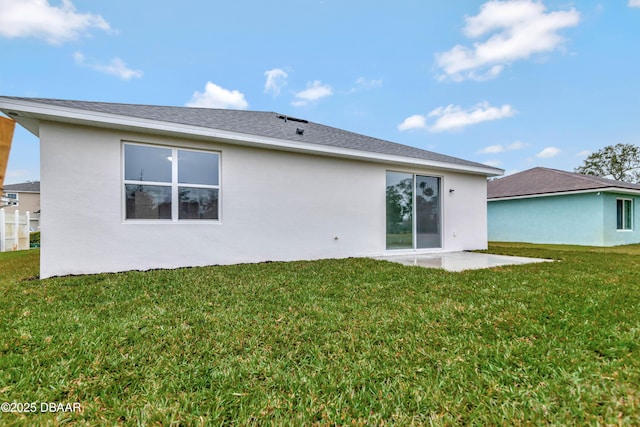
(620,162)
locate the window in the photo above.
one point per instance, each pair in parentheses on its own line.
(13,199)
(170,184)
(624,214)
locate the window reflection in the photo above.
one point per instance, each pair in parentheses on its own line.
(413,201)
(428,212)
(198,203)
(143,163)
(399,210)
(196,167)
(170,183)
(148,201)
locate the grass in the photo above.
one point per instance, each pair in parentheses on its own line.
(335,342)
(624,249)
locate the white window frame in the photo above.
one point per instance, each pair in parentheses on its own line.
(13,201)
(627,223)
(174,184)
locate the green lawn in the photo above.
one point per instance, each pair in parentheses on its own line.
(346,342)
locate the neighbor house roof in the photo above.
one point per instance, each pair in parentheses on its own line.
(267,129)
(23,187)
(544,181)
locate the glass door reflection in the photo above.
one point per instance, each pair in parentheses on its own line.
(413,211)
(428,212)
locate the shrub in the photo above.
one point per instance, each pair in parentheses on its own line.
(34,238)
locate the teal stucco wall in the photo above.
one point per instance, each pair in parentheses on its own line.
(574,219)
(613,237)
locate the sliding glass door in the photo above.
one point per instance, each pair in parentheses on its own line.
(399,210)
(413,211)
(427,212)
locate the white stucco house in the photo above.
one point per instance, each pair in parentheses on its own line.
(167,187)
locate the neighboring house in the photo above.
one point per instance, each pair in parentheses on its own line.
(543,205)
(23,197)
(166,187)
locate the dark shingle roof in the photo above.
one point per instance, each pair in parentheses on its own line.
(539,181)
(266,124)
(27,187)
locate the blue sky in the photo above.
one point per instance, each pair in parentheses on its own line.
(513,84)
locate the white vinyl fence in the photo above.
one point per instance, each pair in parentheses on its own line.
(14,231)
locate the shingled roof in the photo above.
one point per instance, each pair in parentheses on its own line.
(543,181)
(264,124)
(23,187)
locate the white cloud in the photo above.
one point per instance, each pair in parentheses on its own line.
(215,96)
(414,122)
(493,149)
(276,80)
(116,67)
(455,118)
(39,19)
(518,145)
(585,153)
(313,92)
(634,3)
(493,163)
(367,84)
(516,30)
(364,84)
(548,153)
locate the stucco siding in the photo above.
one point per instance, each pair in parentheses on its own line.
(465,212)
(613,236)
(274,205)
(570,219)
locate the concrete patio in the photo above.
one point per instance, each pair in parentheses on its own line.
(460,261)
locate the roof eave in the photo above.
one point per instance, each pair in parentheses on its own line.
(564,193)
(28,113)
